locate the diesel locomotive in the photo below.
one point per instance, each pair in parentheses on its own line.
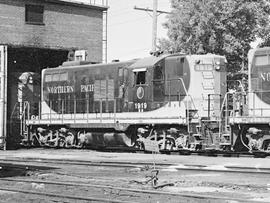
(162,102)
(250,127)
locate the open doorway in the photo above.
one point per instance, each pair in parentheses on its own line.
(30,62)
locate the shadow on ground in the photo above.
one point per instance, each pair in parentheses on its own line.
(11,170)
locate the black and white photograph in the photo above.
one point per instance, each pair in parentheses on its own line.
(135,101)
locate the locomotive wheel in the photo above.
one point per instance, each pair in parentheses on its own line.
(70,140)
(139,145)
(168,144)
(266,145)
(61,142)
(226,148)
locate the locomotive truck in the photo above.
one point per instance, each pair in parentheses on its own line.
(171,101)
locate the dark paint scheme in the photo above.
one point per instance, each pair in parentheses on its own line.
(129,103)
(86,88)
(132,86)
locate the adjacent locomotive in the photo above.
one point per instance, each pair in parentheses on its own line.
(250,127)
(174,100)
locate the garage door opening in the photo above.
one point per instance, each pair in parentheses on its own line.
(25,63)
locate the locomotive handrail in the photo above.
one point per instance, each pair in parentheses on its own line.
(62,114)
(224,104)
(71,110)
(187,107)
(26,108)
(248,99)
(241,85)
(187,94)
(185,89)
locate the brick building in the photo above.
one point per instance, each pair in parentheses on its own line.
(35,34)
(53,24)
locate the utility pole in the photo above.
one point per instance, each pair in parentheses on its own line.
(154,30)
(155,14)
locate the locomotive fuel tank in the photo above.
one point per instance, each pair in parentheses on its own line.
(101,139)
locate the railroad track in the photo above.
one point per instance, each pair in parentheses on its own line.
(207,152)
(255,154)
(128,192)
(142,165)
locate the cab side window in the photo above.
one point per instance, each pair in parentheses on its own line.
(159,72)
(140,77)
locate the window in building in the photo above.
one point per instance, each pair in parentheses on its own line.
(34,14)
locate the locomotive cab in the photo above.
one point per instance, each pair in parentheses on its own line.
(157,81)
(141,87)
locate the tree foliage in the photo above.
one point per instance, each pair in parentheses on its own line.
(225,27)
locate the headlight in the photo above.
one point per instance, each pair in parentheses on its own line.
(217,67)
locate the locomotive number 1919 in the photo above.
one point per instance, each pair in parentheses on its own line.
(141,106)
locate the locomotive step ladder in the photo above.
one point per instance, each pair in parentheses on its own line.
(198,141)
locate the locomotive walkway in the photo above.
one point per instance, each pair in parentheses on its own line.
(173,162)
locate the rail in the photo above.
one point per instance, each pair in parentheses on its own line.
(224,106)
(97,113)
(78,109)
(169,86)
(187,94)
(251,104)
(246,107)
(226,103)
(137,192)
(25,117)
(189,100)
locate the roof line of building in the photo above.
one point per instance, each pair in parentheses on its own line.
(80,4)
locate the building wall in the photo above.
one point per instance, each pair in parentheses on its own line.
(65,27)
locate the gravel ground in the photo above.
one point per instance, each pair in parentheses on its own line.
(250,186)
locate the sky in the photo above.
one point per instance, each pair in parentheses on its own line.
(130,30)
